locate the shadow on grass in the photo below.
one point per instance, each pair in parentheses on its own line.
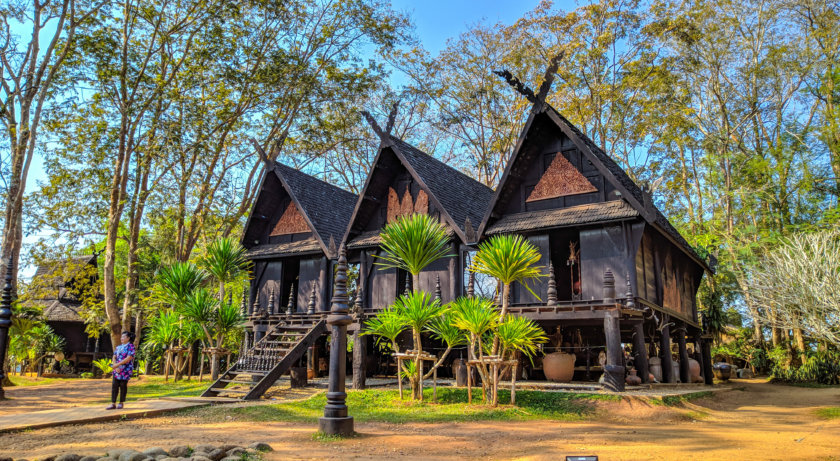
(386,406)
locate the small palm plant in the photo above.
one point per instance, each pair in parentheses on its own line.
(417,310)
(224,261)
(412,243)
(479,320)
(217,320)
(103,365)
(508,258)
(178,281)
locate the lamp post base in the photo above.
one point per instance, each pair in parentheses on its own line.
(342,426)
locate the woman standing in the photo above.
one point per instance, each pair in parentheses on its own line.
(123,366)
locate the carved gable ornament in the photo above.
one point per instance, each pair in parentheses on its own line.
(560,179)
(291,222)
(402,207)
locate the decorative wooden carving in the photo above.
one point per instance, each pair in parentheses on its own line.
(560,179)
(407,205)
(290,222)
(422,203)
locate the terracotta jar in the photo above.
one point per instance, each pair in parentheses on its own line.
(676,365)
(655,365)
(694,371)
(559,367)
(632,379)
(459,371)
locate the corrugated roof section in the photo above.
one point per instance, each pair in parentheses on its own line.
(614,210)
(269,250)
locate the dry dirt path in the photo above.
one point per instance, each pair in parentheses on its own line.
(762,422)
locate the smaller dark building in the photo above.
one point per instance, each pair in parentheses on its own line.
(57,289)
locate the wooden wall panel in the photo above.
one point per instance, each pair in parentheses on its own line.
(383,287)
(272,278)
(428,279)
(520,294)
(309,275)
(602,248)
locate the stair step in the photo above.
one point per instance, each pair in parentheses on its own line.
(233,391)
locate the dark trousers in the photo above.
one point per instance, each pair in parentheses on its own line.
(118,386)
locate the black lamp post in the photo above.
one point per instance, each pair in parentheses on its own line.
(5,323)
(335,420)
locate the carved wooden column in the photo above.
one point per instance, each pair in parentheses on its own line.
(310,308)
(706,350)
(685,375)
(335,420)
(5,322)
(614,369)
(359,370)
(640,350)
(668,373)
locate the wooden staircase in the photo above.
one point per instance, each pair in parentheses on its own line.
(272,356)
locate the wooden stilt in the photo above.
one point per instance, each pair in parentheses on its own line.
(641,358)
(513,385)
(420,378)
(685,376)
(706,347)
(614,368)
(469,383)
(434,386)
(668,374)
(399,377)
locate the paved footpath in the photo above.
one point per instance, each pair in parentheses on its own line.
(94,413)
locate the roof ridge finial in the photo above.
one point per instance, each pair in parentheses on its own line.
(392,117)
(517,84)
(548,77)
(384,136)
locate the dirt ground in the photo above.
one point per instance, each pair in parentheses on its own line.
(761,421)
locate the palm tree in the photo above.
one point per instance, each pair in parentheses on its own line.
(216,319)
(412,243)
(508,258)
(178,281)
(225,260)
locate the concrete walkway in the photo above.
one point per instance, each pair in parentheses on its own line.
(93,413)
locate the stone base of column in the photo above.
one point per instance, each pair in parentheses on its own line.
(342,426)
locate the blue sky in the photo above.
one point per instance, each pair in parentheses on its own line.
(438,20)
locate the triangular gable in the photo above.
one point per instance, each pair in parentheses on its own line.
(315,206)
(560,179)
(450,191)
(610,170)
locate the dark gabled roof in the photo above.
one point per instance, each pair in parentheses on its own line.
(607,167)
(461,197)
(644,204)
(613,210)
(270,250)
(326,208)
(58,311)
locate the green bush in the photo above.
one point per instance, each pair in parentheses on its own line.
(87,375)
(820,367)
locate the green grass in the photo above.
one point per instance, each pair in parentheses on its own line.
(809,385)
(673,400)
(33,381)
(150,387)
(829,413)
(386,406)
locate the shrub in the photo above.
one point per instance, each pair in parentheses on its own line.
(87,375)
(820,367)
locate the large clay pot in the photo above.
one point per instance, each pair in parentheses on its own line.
(655,365)
(722,370)
(694,371)
(632,379)
(559,367)
(676,365)
(459,370)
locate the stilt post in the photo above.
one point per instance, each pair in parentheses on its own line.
(668,373)
(641,358)
(685,375)
(613,370)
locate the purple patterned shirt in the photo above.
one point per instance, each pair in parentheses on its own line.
(123,351)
